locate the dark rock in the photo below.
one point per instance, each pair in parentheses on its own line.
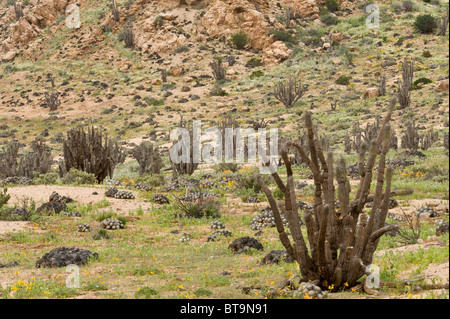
(160,199)
(276,256)
(244,244)
(9,265)
(62,257)
(51,207)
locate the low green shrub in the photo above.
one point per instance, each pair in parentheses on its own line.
(343,80)
(425,23)
(332,5)
(78,177)
(240,40)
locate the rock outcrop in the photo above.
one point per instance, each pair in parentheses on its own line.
(303,8)
(28,27)
(226,17)
(276,53)
(219,19)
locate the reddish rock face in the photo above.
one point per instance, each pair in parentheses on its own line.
(304,8)
(221,19)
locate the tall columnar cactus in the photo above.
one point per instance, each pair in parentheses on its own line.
(382,86)
(337,251)
(9,159)
(443,23)
(219,71)
(148,157)
(185,167)
(408,73)
(91,152)
(18,11)
(428,139)
(115,11)
(39,160)
(411,139)
(404,95)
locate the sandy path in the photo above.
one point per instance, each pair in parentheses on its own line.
(83,195)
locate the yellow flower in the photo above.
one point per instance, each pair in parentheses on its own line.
(346,284)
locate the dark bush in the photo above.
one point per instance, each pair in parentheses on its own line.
(407,6)
(240,40)
(343,80)
(329,19)
(425,23)
(332,5)
(283,36)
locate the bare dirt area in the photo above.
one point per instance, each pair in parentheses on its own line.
(83,195)
(11,227)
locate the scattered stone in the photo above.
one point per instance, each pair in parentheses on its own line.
(9,265)
(55,197)
(21,213)
(143,187)
(443,227)
(111,192)
(252,199)
(392,202)
(266,219)
(124,195)
(399,163)
(185,238)
(426,210)
(160,199)
(72,214)
(217,225)
(212,238)
(84,228)
(62,257)
(111,224)
(311,291)
(223,232)
(52,208)
(396,217)
(276,256)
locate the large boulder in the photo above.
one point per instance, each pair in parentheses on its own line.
(227,17)
(27,28)
(304,8)
(23,32)
(442,86)
(276,53)
(172,4)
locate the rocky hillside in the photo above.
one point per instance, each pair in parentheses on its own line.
(141,88)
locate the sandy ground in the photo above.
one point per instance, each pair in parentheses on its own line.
(11,227)
(83,195)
